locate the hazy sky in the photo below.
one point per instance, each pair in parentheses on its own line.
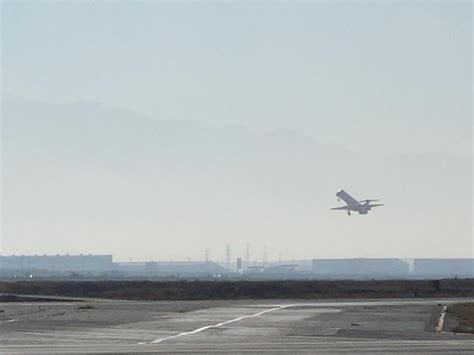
(380,93)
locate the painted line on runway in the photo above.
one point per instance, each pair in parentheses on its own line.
(321,305)
(439,327)
(9,321)
(157,341)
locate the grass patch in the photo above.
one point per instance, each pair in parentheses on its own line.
(242,289)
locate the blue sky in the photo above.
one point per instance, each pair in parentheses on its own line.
(378,79)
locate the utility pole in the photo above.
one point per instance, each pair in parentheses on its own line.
(265,260)
(247,255)
(227,256)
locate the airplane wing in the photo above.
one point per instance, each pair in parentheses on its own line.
(340,208)
(376,205)
(368,200)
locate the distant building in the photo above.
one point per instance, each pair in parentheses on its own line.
(239,264)
(360,267)
(57,263)
(282,268)
(170,268)
(151,267)
(444,267)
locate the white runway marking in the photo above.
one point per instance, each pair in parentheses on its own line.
(318,304)
(9,321)
(439,328)
(156,341)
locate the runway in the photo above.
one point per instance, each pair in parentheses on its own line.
(253,326)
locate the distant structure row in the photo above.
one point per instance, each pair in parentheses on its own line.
(395,267)
(104,266)
(100,265)
(59,263)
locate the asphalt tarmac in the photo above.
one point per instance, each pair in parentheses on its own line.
(253,326)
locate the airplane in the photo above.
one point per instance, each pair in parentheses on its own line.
(363,206)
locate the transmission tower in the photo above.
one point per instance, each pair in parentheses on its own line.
(265,256)
(247,255)
(227,256)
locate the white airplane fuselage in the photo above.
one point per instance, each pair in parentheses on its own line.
(352,203)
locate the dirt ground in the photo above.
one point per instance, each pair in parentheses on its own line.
(463,314)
